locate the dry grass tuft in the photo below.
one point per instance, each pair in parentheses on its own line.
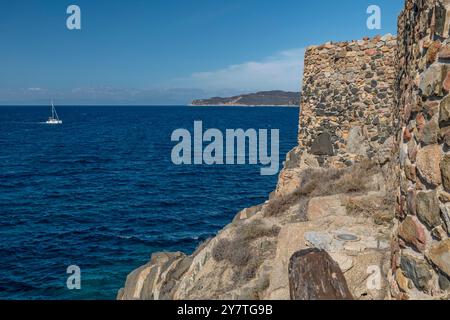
(323,182)
(381,210)
(256,229)
(238,251)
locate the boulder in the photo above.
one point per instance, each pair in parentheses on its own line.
(314,275)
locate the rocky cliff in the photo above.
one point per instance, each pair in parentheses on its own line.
(361,208)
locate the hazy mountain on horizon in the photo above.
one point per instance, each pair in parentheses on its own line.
(262,98)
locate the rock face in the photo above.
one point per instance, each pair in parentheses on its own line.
(155,280)
(314,275)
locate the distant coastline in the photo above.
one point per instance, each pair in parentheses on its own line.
(246,105)
(275,98)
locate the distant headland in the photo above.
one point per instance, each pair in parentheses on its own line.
(262,98)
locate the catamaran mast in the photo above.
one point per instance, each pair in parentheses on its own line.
(54,112)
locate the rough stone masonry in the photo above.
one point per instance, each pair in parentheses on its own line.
(347,99)
(357,94)
(421,247)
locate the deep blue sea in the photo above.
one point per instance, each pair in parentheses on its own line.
(101,192)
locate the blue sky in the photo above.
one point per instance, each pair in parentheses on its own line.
(167,51)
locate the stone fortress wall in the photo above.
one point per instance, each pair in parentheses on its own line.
(420,247)
(357,95)
(347,99)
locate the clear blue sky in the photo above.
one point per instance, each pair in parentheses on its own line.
(167,51)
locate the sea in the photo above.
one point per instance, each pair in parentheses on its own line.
(100,192)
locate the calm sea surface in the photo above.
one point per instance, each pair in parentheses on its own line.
(101,192)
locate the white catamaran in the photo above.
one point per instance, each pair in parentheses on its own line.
(54,119)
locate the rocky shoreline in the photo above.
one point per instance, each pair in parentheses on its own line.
(365,196)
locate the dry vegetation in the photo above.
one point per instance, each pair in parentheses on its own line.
(381,209)
(239,252)
(323,182)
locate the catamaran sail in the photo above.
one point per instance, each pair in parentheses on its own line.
(54,119)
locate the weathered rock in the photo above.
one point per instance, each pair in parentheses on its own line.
(445,133)
(147,282)
(402,281)
(444,282)
(439,233)
(412,232)
(406,135)
(428,208)
(431,80)
(433,51)
(444,110)
(321,207)
(439,254)
(412,150)
(444,196)
(322,146)
(411,202)
(441,27)
(314,275)
(247,213)
(430,132)
(410,172)
(416,270)
(445,209)
(356,142)
(293,159)
(445,170)
(319,240)
(444,52)
(428,159)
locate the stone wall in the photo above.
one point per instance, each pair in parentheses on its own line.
(420,247)
(347,99)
